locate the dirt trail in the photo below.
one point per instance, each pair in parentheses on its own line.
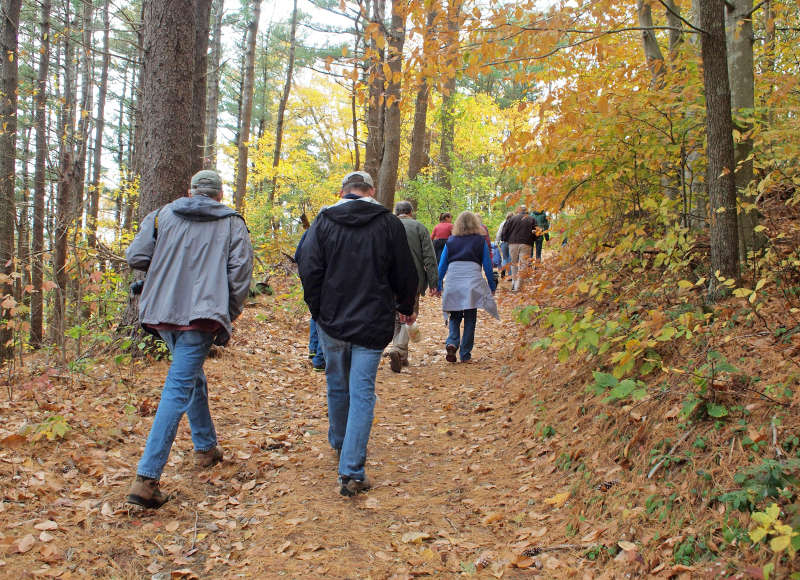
(454,477)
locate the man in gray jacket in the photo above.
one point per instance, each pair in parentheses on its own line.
(419,242)
(199,260)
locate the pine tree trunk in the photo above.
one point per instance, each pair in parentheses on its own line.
(247,107)
(373,149)
(199,91)
(8,153)
(85,111)
(40,168)
(387,175)
(212,86)
(276,155)
(719,146)
(97,166)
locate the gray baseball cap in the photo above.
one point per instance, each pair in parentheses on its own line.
(357,177)
(206,181)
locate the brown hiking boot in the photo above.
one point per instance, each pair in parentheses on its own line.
(451,353)
(145,492)
(206,459)
(395,361)
(351,487)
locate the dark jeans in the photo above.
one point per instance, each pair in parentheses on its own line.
(538,243)
(466,340)
(438,247)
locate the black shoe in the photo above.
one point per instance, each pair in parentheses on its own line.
(311,355)
(451,353)
(395,363)
(320,368)
(351,487)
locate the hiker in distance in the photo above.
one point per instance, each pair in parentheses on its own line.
(357,271)
(440,233)
(199,260)
(466,269)
(518,232)
(419,242)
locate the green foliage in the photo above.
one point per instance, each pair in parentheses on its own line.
(701,404)
(770,479)
(617,390)
(51,428)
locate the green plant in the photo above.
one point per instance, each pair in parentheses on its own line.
(769,479)
(619,390)
(51,428)
(701,404)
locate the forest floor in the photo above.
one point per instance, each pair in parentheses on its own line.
(467,478)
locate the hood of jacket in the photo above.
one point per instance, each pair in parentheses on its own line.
(355,212)
(201,208)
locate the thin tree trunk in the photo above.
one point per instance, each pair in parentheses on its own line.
(418,158)
(652,52)
(8,153)
(247,107)
(199,91)
(97,166)
(447,114)
(212,86)
(40,168)
(23,222)
(387,175)
(86,109)
(276,155)
(66,183)
(676,26)
(373,150)
(739,28)
(719,146)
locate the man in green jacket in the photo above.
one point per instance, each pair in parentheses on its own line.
(419,242)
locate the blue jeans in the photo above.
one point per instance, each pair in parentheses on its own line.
(185,391)
(505,253)
(313,344)
(538,242)
(350,372)
(466,341)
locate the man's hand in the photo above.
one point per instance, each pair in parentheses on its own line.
(436,292)
(410,319)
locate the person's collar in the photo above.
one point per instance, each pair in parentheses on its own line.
(405,216)
(352,196)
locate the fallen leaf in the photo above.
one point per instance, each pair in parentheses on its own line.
(627,546)
(46,525)
(45,537)
(13,441)
(25,543)
(414,537)
(184,573)
(557,500)
(371,503)
(249,485)
(154,568)
(492,517)
(172,526)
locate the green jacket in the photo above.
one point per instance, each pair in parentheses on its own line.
(419,242)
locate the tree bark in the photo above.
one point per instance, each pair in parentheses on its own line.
(86,108)
(652,52)
(8,153)
(418,158)
(287,87)
(387,174)
(676,26)
(166,110)
(447,114)
(373,149)
(739,28)
(214,63)
(199,90)
(719,146)
(247,107)
(40,168)
(97,165)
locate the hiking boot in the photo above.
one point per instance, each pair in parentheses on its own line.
(395,361)
(145,492)
(351,487)
(206,459)
(451,353)
(320,368)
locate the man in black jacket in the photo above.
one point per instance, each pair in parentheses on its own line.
(518,232)
(357,270)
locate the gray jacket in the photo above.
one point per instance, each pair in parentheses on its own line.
(198,260)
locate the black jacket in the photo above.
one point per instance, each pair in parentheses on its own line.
(356,270)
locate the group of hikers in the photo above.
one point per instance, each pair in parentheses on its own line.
(363,271)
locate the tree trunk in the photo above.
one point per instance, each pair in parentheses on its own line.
(387,175)
(447,115)
(8,154)
(86,110)
(166,110)
(66,183)
(276,155)
(676,26)
(739,28)
(719,146)
(373,149)
(652,52)
(199,91)
(418,157)
(212,86)
(97,165)
(247,107)
(23,223)
(40,168)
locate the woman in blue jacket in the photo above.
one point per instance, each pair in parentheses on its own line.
(467,264)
